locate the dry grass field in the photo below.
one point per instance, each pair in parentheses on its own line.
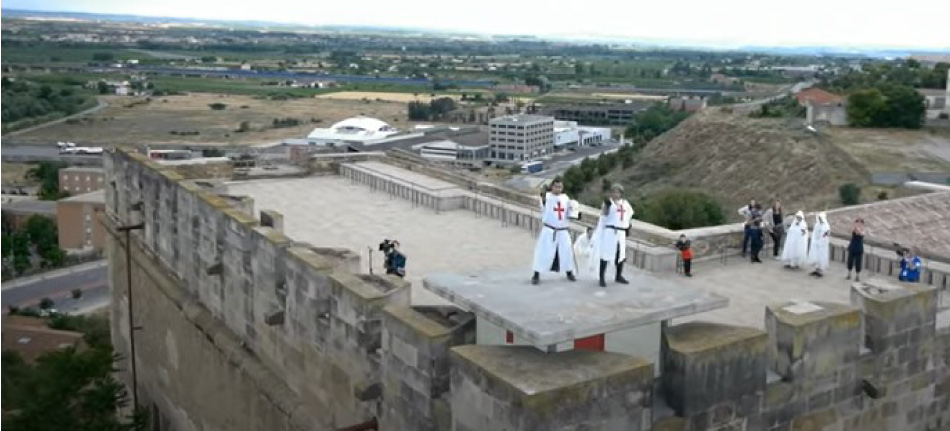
(386,97)
(173,120)
(14,173)
(893,150)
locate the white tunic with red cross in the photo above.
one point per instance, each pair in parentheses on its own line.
(555,238)
(610,237)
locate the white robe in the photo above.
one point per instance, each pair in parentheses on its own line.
(583,252)
(555,238)
(818,251)
(796,244)
(608,241)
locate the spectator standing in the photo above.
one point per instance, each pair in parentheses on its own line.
(757,240)
(749,212)
(774,218)
(856,249)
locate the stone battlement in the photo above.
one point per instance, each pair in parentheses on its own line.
(245,329)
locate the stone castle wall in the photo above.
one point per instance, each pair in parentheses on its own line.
(292,341)
(243,329)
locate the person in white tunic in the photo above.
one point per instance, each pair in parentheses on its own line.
(796,242)
(610,238)
(583,252)
(553,251)
(818,252)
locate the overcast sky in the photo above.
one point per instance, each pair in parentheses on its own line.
(902,24)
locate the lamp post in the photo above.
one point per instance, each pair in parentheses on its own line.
(128,273)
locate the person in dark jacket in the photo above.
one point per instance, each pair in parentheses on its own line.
(856,249)
(756,238)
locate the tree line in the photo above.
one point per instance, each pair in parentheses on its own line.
(434,110)
(885,95)
(24,99)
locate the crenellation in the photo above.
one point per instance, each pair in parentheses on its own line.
(290,336)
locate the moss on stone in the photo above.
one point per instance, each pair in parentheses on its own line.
(422,325)
(694,337)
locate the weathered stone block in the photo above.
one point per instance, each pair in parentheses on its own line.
(520,387)
(812,342)
(272,219)
(895,316)
(415,350)
(705,364)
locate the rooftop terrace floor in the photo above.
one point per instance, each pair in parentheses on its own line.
(334,212)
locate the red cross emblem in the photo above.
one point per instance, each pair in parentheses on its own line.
(559,210)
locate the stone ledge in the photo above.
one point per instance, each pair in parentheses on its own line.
(840,313)
(540,377)
(694,337)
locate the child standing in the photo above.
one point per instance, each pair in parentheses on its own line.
(684,245)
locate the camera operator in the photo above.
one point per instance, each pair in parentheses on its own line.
(910,264)
(394,261)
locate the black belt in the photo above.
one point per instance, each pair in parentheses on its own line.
(554,228)
(616,228)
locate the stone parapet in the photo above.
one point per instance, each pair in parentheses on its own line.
(416,366)
(319,327)
(521,388)
(705,364)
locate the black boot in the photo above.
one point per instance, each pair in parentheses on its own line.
(570,276)
(536,278)
(603,269)
(619,278)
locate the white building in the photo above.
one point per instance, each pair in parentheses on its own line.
(355,130)
(567,134)
(520,138)
(453,153)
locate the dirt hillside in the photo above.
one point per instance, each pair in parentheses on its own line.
(734,158)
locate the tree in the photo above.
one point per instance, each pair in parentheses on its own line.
(682,209)
(76,293)
(46,304)
(103,56)
(47,173)
(865,107)
(849,193)
(65,389)
(217,106)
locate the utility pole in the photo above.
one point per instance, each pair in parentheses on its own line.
(128,278)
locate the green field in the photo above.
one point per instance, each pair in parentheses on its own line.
(43,54)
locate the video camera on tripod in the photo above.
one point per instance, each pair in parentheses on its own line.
(393,260)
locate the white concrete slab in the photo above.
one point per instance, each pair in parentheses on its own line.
(557,310)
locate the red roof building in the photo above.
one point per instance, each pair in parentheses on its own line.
(817,96)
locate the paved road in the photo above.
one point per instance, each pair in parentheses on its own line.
(100,105)
(91,278)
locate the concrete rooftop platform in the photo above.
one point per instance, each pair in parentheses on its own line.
(557,310)
(333,212)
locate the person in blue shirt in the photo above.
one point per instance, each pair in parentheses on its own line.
(910,266)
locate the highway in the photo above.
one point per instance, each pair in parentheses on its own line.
(91,278)
(45,153)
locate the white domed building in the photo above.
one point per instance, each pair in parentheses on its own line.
(356,130)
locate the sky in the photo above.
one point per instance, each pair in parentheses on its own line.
(922,24)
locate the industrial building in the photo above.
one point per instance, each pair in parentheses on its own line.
(570,135)
(519,138)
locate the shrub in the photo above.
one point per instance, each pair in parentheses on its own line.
(849,193)
(217,106)
(682,209)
